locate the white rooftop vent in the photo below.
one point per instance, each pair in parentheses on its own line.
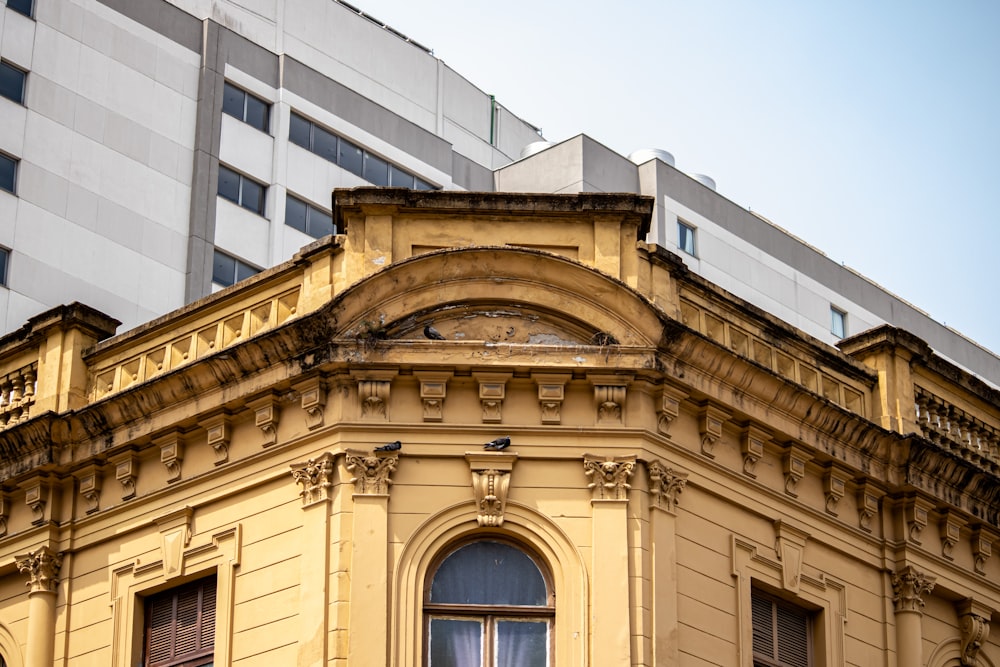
(644,155)
(535,147)
(707,181)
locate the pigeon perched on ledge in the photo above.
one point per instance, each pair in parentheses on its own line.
(432,333)
(390,447)
(498,444)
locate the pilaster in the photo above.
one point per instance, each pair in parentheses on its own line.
(909,585)
(42,567)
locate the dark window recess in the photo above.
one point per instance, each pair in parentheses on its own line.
(241,190)
(4,260)
(348,156)
(780,633)
(244,106)
(8,173)
(307,218)
(180,626)
(227,270)
(12,82)
(21,6)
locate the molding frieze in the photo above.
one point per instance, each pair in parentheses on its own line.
(315,476)
(974,624)
(950,527)
(835,481)
(665,485)
(982,548)
(908,588)
(670,408)
(42,567)
(551,393)
(171,454)
(752,443)
(868,504)
(371,471)
(492,391)
(89,481)
(710,421)
(793,465)
(266,412)
(126,472)
(219,433)
(490,485)
(609,476)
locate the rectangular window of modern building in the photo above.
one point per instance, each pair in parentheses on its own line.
(685,237)
(838,322)
(21,6)
(246,107)
(227,270)
(8,173)
(12,82)
(4,261)
(241,190)
(349,156)
(180,626)
(307,218)
(781,633)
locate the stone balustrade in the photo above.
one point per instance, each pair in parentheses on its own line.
(17,395)
(950,426)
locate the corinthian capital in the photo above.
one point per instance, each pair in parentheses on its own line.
(42,567)
(908,588)
(609,476)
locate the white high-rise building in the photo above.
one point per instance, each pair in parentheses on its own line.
(152,151)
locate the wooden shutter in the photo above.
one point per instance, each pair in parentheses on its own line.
(180,624)
(780,633)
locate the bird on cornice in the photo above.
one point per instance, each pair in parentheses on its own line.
(498,444)
(432,333)
(390,447)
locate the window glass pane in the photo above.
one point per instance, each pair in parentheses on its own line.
(22,6)
(298,130)
(324,144)
(244,271)
(295,213)
(399,178)
(351,157)
(257,113)
(421,185)
(223,269)
(838,323)
(376,170)
(12,83)
(685,238)
(522,643)
(253,196)
(320,223)
(455,643)
(232,101)
(4,255)
(229,184)
(8,173)
(489,573)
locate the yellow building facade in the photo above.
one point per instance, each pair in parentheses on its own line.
(293,471)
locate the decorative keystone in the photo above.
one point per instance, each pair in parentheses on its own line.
(908,588)
(42,567)
(974,624)
(490,484)
(371,471)
(790,545)
(316,477)
(665,485)
(609,476)
(752,443)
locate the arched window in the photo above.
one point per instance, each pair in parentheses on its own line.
(488,603)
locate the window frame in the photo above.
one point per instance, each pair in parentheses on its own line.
(24,81)
(203,655)
(30,13)
(243,115)
(774,660)
(311,210)
(4,273)
(15,168)
(838,317)
(242,181)
(237,264)
(489,615)
(685,228)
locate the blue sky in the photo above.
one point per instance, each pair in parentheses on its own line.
(871,130)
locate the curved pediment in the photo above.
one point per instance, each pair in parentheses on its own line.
(497,294)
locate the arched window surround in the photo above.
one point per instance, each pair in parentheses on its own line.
(524,526)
